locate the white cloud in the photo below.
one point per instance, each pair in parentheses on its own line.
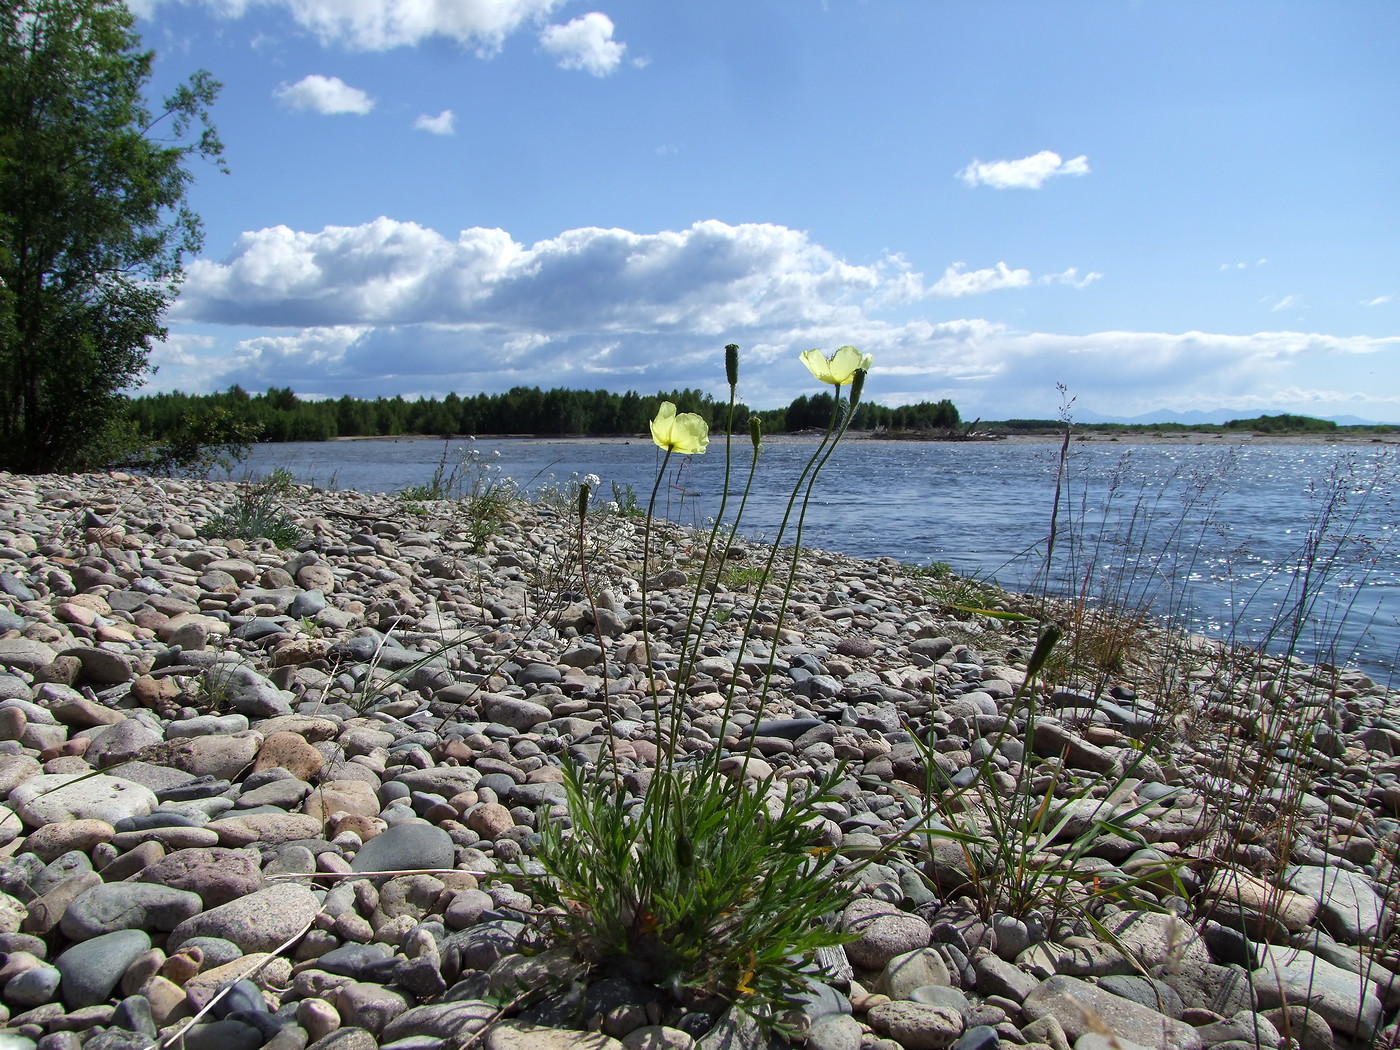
(1070,277)
(442,124)
(708,277)
(392,307)
(1288,302)
(1379,300)
(327,95)
(1028,173)
(957,282)
(584,43)
(180,348)
(379,25)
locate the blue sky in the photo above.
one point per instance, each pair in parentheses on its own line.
(1167,207)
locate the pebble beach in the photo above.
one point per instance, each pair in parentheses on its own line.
(254,796)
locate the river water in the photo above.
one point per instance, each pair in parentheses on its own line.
(1293,547)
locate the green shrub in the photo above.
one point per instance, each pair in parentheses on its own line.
(255,514)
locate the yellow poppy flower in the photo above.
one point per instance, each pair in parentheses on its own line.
(683,432)
(838,369)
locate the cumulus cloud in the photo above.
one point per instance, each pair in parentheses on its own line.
(708,278)
(1028,173)
(327,95)
(379,25)
(1070,277)
(389,307)
(442,124)
(584,43)
(958,282)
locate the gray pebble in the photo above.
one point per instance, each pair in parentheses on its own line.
(92,968)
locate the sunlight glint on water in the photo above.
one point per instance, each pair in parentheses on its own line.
(1232,522)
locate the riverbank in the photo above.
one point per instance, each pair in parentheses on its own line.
(1165,437)
(300,792)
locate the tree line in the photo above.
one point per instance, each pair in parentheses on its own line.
(280,415)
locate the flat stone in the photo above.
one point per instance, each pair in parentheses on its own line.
(882,932)
(171,837)
(222,757)
(917,1026)
(15,770)
(1294,910)
(453,1021)
(120,743)
(127,906)
(1345,1000)
(72,708)
(348,1038)
(511,711)
(259,922)
(355,797)
(516,1035)
(439,780)
(835,1032)
(92,969)
(1073,1003)
(21,654)
(309,727)
(53,797)
(1350,908)
(248,692)
(912,970)
(291,752)
(160,779)
(406,847)
(225,1034)
(1154,938)
(1224,990)
(998,977)
(268,828)
(53,840)
(286,794)
(1145,991)
(206,725)
(1095,1041)
(367,1005)
(101,666)
(1246,1026)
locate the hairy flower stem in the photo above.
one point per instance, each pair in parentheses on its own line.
(808,476)
(727,544)
(646,616)
(695,619)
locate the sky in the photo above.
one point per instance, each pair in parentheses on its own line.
(1163,207)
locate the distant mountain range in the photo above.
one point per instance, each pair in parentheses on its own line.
(1222,415)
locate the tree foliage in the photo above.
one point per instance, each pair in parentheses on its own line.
(279,415)
(93,224)
(1283,423)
